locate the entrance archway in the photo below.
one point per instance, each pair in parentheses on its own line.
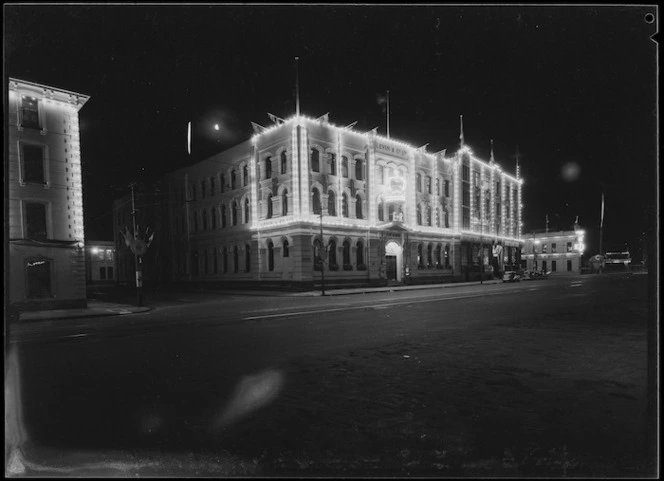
(393,261)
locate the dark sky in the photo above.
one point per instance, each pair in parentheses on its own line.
(569,85)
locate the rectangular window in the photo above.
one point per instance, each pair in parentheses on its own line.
(553,248)
(465,173)
(109,254)
(33,163)
(30,113)
(569,266)
(35,220)
(38,276)
(553,266)
(544,248)
(569,247)
(109,269)
(102,273)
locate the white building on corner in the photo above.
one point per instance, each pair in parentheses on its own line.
(46,239)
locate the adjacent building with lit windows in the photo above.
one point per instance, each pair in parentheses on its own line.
(46,240)
(100,262)
(558,252)
(306,196)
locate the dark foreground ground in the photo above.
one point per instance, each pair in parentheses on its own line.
(558,391)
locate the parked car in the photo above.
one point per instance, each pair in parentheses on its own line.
(526,276)
(511,276)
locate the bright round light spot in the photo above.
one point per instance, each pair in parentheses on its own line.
(216,126)
(571,171)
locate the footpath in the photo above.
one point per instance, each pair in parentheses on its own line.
(100,309)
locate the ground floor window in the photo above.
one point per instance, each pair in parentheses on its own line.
(544,266)
(109,270)
(38,276)
(102,273)
(553,266)
(569,266)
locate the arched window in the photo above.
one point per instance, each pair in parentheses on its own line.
(270,256)
(202,189)
(224,260)
(315,160)
(420,255)
(390,212)
(284,249)
(315,203)
(245,175)
(223,216)
(439,251)
(234,213)
(381,174)
(204,217)
(284,203)
(205,261)
(211,185)
(430,255)
(418,183)
(437,186)
(344,166)
(222,183)
(428,184)
(236,259)
(429,216)
(359,255)
(332,255)
(318,255)
(213,215)
(381,209)
(233,179)
(447,219)
(215,264)
(246,211)
(268,167)
(247,258)
(333,164)
(193,191)
(269,207)
(331,203)
(419,214)
(344,205)
(358,207)
(447,255)
(359,169)
(284,162)
(346,252)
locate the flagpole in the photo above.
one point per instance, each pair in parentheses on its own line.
(388,114)
(601,226)
(139,279)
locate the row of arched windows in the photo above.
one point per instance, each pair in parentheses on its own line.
(332,162)
(330,252)
(284,204)
(220,263)
(222,217)
(316,204)
(283,165)
(285,252)
(425,184)
(436,257)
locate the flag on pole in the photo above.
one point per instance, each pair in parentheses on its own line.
(601,219)
(461,131)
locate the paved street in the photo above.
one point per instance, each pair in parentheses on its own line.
(526,379)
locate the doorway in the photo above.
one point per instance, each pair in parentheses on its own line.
(393,261)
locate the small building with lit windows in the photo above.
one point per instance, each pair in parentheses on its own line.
(100,262)
(46,241)
(306,197)
(559,252)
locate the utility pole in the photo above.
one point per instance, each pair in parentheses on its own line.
(137,259)
(322,258)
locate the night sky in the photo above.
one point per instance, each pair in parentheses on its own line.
(573,87)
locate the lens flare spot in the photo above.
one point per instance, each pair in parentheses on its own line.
(571,171)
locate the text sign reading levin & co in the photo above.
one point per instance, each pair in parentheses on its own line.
(390,149)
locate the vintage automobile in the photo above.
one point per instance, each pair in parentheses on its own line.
(511,276)
(526,276)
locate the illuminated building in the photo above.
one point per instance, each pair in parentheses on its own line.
(46,240)
(391,212)
(558,252)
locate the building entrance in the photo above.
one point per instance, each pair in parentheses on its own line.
(393,261)
(391,268)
